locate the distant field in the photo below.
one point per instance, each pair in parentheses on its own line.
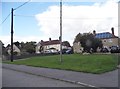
(93,63)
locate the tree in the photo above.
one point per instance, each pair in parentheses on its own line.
(88,41)
(77,38)
(4,50)
(66,43)
(96,43)
(30,47)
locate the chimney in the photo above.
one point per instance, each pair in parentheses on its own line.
(112,29)
(94,32)
(49,39)
(41,41)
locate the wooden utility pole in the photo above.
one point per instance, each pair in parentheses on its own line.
(12,35)
(60,31)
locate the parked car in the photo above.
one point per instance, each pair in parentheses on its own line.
(119,49)
(115,49)
(104,50)
(66,51)
(69,51)
(51,51)
(47,51)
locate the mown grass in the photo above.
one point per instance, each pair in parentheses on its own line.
(94,63)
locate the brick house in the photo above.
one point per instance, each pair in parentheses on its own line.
(108,39)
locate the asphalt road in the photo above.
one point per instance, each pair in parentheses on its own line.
(13,78)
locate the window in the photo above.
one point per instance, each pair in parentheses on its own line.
(110,40)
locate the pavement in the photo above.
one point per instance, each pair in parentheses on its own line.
(109,79)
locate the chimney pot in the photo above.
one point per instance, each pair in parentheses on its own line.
(49,39)
(94,32)
(41,40)
(112,29)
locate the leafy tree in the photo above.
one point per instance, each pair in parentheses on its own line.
(96,43)
(4,50)
(30,47)
(66,43)
(22,44)
(88,41)
(15,53)
(77,38)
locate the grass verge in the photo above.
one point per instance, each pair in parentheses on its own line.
(94,63)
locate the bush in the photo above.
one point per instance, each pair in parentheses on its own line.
(15,53)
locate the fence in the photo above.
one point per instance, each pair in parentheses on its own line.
(28,56)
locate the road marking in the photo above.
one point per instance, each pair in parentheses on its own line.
(86,84)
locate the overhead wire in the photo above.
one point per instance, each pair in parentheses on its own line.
(45,17)
(14,9)
(5,19)
(25,15)
(22,5)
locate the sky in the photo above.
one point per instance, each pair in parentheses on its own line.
(36,21)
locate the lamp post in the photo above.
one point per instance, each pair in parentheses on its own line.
(60,31)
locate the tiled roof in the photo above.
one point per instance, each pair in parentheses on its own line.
(105,35)
(52,42)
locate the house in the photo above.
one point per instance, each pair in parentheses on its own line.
(0,49)
(49,46)
(77,48)
(16,50)
(108,40)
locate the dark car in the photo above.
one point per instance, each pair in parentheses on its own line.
(66,51)
(114,49)
(63,51)
(69,51)
(118,49)
(104,50)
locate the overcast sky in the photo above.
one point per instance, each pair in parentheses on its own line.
(40,20)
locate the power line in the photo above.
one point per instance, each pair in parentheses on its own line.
(5,19)
(25,15)
(22,5)
(14,9)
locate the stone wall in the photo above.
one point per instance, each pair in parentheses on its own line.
(110,42)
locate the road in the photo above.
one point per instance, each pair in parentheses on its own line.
(13,78)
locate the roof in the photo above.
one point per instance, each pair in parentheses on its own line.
(105,35)
(0,41)
(51,42)
(14,46)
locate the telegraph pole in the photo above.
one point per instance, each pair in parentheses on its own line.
(12,35)
(60,31)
